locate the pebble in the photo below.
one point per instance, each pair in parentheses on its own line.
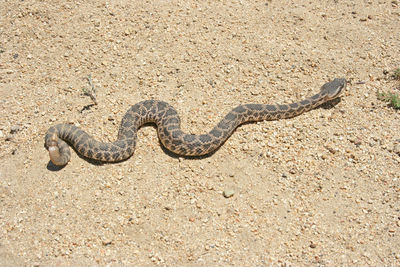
(106,242)
(10,137)
(331,149)
(127,31)
(294,145)
(228,193)
(396,149)
(14,129)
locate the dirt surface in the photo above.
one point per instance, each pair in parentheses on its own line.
(319,189)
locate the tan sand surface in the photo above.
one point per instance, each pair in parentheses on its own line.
(321,189)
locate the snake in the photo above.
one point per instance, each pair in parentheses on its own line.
(167,120)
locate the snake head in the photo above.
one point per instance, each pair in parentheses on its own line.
(334,88)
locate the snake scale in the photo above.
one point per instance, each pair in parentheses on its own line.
(168,127)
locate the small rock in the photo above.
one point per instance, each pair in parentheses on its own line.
(357,142)
(396,149)
(330,149)
(254,92)
(14,129)
(228,193)
(107,242)
(10,137)
(312,245)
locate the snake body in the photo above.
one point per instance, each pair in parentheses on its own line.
(168,126)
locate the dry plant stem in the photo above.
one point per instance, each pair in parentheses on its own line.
(92,91)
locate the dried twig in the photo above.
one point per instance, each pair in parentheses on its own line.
(91,92)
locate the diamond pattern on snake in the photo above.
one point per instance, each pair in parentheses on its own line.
(169,130)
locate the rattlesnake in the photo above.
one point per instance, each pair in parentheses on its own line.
(168,126)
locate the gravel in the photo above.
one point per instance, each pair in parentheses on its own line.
(319,189)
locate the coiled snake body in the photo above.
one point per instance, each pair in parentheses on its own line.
(168,126)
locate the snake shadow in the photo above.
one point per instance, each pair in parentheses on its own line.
(330,104)
(54,168)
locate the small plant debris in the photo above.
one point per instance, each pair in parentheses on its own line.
(396,74)
(91,92)
(392,98)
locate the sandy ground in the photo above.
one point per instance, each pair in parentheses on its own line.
(321,189)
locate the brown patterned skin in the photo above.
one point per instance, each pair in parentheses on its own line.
(168,126)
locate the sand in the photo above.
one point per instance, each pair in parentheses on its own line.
(321,189)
